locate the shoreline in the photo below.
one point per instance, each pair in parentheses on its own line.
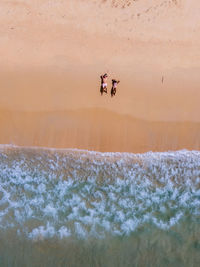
(4,147)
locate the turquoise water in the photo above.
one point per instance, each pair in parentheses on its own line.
(120,208)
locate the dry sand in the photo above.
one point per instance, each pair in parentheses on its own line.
(53,52)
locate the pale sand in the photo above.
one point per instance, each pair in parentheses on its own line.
(53,52)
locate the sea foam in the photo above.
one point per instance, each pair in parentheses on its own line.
(46,193)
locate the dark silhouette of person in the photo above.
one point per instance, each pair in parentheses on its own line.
(114,87)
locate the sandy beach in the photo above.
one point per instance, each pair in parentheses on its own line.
(52,56)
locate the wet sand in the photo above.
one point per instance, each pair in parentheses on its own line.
(96,129)
(52,54)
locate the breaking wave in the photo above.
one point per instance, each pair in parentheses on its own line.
(48,193)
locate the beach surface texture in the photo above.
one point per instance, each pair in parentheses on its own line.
(90,180)
(52,56)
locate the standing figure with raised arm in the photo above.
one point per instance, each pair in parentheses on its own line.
(103,88)
(114,87)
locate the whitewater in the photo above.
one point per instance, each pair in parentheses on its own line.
(46,193)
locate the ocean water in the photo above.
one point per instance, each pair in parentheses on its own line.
(82,208)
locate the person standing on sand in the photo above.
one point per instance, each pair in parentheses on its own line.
(103,88)
(114,87)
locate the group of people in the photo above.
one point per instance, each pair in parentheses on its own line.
(103,88)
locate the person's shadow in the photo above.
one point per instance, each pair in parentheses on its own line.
(101,90)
